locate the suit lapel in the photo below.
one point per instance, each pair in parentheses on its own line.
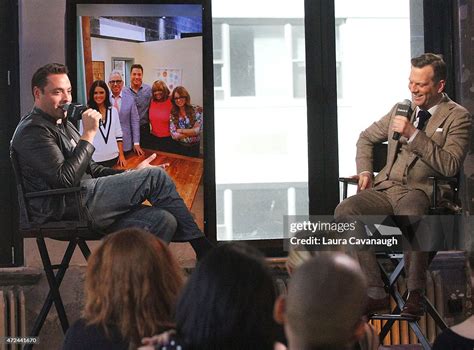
(442,112)
(438,117)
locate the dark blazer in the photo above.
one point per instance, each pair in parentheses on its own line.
(439,150)
(52,156)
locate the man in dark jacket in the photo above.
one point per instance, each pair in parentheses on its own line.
(52,154)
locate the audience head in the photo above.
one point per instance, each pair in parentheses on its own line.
(160,91)
(325,303)
(228,301)
(132,283)
(115,82)
(99,94)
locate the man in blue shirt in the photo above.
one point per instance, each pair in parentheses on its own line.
(142,94)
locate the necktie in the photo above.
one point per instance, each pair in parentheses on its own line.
(423,117)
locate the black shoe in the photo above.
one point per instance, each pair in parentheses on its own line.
(415,305)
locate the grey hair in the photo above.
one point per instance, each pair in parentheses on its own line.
(114,72)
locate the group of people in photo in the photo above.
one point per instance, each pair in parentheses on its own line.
(139,116)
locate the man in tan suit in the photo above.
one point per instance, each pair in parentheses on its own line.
(434,141)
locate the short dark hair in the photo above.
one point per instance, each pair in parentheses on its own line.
(228,302)
(40,78)
(136,65)
(433,60)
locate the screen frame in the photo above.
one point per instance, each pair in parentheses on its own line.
(209,190)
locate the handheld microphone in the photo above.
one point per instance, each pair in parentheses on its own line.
(403,109)
(74,111)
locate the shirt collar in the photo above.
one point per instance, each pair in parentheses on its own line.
(37,110)
(130,87)
(119,95)
(432,110)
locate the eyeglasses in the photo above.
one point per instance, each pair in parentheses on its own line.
(115,82)
(179,98)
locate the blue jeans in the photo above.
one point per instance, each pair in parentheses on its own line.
(115,202)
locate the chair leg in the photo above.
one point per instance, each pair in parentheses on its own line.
(84,248)
(430,310)
(54,282)
(389,280)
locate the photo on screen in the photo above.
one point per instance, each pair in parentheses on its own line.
(166,40)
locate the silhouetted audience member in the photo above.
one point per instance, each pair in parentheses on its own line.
(132,284)
(461,336)
(324,305)
(227,303)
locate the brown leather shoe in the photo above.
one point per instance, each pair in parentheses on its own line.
(415,305)
(378,306)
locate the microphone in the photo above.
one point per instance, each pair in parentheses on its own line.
(74,111)
(403,109)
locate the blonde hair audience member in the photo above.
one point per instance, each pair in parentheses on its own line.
(132,283)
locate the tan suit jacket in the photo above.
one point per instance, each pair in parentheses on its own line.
(438,150)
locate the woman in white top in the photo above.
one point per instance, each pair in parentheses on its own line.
(108,140)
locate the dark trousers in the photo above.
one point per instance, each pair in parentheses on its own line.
(145,135)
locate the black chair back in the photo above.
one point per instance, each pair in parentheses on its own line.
(24,216)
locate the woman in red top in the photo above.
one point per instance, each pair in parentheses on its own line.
(159,114)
